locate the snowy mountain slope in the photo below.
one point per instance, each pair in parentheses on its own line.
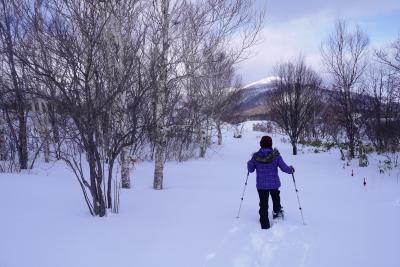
(261,83)
(257,89)
(192,222)
(252,100)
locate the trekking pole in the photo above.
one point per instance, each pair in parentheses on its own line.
(241,199)
(298,200)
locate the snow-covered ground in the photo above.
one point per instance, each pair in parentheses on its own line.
(45,223)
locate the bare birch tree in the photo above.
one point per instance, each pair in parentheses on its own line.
(14,79)
(295,98)
(391,56)
(72,53)
(344,55)
(219,85)
(216,22)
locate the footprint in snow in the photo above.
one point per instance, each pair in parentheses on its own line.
(210,256)
(272,247)
(234,230)
(246,247)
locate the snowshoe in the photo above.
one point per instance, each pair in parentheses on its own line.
(278,215)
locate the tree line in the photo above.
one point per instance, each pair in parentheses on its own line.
(355,104)
(104,84)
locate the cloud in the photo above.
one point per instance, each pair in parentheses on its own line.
(283,10)
(295,27)
(286,41)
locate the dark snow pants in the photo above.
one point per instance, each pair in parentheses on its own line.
(276,201)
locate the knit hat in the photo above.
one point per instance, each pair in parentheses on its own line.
(266,142)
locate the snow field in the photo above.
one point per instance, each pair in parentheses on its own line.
(192,222)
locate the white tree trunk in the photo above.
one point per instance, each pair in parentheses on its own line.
(161,101)
(203,148)
(122,117)
(125,169)
(204,139)
(219,132)
(41,124)
(125,163)
(159,159)
(3,155)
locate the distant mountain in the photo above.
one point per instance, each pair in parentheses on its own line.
(251,101)
(261,83)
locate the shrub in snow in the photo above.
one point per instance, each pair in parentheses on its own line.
(266,127)
(390,162)
(363,160)
(384,166)
(238,131)
(329,145)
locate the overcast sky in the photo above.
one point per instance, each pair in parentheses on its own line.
(299,26)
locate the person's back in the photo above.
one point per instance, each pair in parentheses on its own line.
(266,162)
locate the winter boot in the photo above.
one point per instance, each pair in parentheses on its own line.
(278,214)
(265,226)
(265,223)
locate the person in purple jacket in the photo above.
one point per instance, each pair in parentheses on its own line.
(266,162)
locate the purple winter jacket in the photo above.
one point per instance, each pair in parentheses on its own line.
(266,162)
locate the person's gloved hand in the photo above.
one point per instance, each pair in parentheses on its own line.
(292,168)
